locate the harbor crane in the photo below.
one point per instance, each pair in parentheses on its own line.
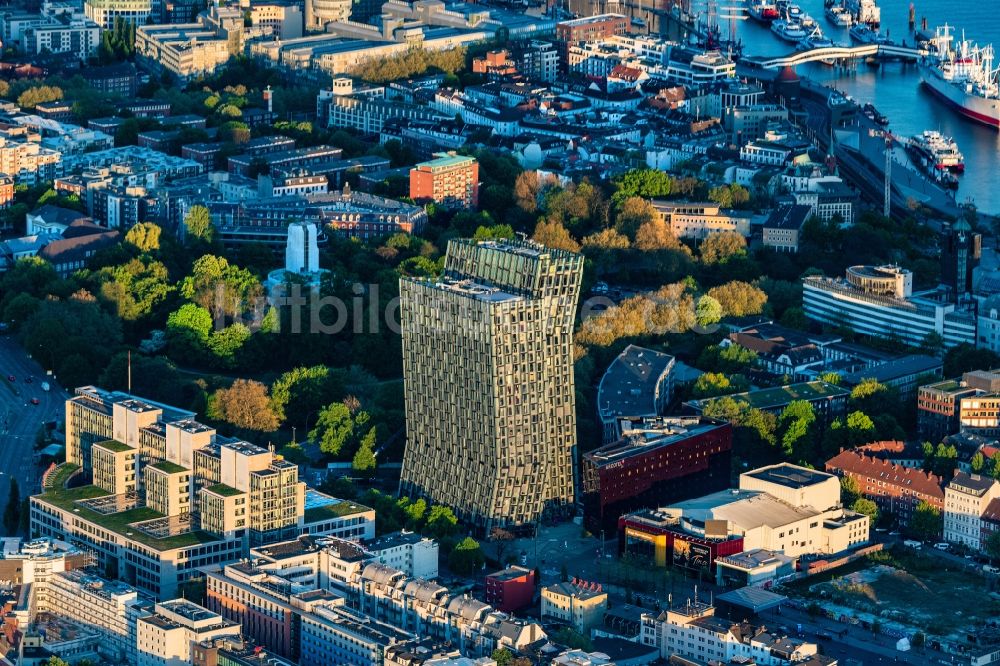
(890,139)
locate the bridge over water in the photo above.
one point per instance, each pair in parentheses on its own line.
(838,53)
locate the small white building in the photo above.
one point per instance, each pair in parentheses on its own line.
(165,637)
(965,499)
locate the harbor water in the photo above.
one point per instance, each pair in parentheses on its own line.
(894,88)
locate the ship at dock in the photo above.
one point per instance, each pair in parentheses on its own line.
(763,11)
(940,152)
(963,75)
(937,155)
(864,11)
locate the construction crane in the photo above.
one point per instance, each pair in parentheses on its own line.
(890,139)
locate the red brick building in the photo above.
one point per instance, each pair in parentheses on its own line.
(592,28)
(657,461)
(589,29)
(511,589)
(449,179)
(895,489)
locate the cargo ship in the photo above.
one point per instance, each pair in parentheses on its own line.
(964,76)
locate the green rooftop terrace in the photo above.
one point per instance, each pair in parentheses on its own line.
(168,467)
(782,395)
(119,523)
(224,490)
(318,514)
(114,445)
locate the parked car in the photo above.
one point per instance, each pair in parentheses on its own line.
(45,386)
(942,545)
(989,568)
(34,401)
(12,378)
(910,543)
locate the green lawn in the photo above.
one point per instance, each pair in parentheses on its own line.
(59,479)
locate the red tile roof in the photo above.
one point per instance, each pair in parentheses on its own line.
(857,463)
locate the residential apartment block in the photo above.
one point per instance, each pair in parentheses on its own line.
(27,162)
(939,407)
(694,632)
(449,179)
(112,608)
(168,635)
(66,32)
(879,301)
(106,12)
(698,220)
(576,603)
(782,229)
(511,589)
(333,635)
(895,489)
(488,377)
(966,498)
(165,494)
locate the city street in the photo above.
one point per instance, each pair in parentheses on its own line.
(20,419)
(858,643)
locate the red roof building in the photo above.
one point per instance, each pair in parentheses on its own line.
(895,489)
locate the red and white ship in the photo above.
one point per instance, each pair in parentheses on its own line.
(964,76)
(764,11)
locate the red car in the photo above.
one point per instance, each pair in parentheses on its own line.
(12,378)
(34,401)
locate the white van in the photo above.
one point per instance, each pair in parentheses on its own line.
(910,543)
(942,546)
(989,568)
